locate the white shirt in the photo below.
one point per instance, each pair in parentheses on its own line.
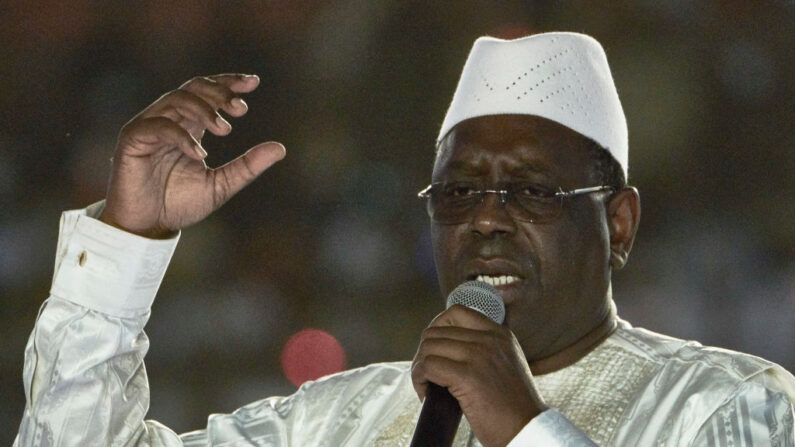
(85,381)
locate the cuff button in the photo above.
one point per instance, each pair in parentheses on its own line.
(81,258)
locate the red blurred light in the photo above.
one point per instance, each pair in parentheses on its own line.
(311,354)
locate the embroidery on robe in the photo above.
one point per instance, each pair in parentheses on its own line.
(594,392)
(399,431)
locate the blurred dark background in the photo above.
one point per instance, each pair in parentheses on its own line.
(334,237)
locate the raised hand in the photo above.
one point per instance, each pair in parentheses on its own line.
(482,365)
(160,182)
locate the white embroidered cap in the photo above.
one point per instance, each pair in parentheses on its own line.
(563,77)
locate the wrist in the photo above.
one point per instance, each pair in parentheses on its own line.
(152,233)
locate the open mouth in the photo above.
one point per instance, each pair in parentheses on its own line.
(497,280)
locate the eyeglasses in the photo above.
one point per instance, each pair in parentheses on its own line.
(453,203)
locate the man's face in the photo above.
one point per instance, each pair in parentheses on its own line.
(561,266)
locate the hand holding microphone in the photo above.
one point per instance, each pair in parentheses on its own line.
(468,358)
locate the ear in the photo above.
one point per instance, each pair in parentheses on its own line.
(623,216)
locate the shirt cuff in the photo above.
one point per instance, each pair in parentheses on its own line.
(551,429)
(106,269)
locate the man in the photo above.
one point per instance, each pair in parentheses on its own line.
(528,193)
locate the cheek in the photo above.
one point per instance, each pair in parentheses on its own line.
(443,239)
(584,253)
(571,253)
(551,258)
(596,241)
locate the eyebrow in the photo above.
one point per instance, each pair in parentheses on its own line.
(463,167)
(531,168)
(533,173)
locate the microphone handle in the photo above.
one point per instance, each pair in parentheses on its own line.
(438,420)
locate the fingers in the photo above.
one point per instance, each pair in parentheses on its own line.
(462,316)
(238,83)
(456,350)
(144,136)
(193,108)
(439,370)
(449,345)
(458,345)
(482,366)
(221,91)
(233,176)
(191,111)
(453,333)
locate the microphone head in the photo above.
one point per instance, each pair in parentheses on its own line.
(479,296)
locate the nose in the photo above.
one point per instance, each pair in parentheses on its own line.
(491,217)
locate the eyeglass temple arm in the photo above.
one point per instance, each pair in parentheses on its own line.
(577,192)
(425,193)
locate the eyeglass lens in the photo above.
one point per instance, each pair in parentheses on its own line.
(455,203)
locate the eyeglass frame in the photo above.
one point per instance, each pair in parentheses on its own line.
(503,195)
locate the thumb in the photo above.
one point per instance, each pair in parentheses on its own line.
(233,176)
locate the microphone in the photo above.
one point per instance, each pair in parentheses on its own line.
(440,412)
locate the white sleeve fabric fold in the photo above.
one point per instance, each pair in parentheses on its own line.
(754,416)
(84,376)
(551,429)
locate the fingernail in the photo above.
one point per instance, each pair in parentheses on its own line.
(200,151)
(238,103)
(222,123)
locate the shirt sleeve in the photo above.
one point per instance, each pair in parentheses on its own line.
(84,376)
(551,429)
(755,416)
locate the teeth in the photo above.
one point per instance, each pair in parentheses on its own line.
(497,280)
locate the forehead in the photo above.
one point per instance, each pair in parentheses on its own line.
(513,144)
